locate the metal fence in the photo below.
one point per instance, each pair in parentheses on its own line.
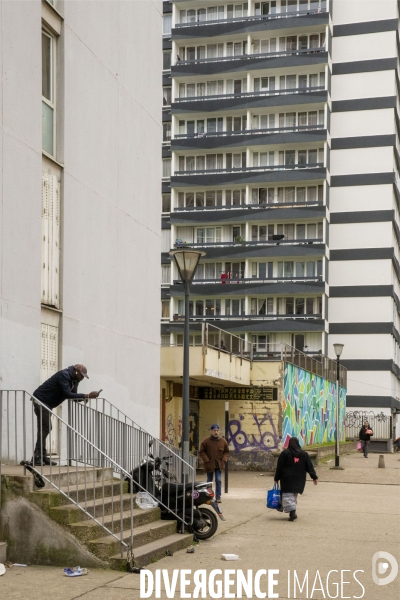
(380,423)
(96,454)
(315,363)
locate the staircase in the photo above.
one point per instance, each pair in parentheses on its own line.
(152,537)
(86,494)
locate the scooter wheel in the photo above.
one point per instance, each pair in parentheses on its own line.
(210,524)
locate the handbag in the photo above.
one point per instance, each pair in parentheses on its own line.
(274,497)
(359,446)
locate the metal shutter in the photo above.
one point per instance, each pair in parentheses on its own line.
(50,240)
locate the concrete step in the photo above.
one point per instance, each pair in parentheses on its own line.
(70,513)
(89,530)
(47,499)
(153,551)
(61,476)
(107,546)
(3,552)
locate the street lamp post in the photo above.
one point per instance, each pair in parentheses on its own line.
(338,351)
(186,260)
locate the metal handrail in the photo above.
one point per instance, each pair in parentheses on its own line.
(296,166)
(269,131)
(261,206)
(306,241)
(238,57)
(279,92)
(320,364)
(81,453)
(282,15)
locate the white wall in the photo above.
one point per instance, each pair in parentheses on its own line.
(367,46)
(112,236)
(20,194)
(363,122)
(361,197)
(369,346)
(361,310)
(360,235)
(358,11)
(111,198)
(363,85)
(362,160)
(361,272)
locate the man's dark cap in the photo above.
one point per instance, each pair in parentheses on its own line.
(215,426)
(82,370)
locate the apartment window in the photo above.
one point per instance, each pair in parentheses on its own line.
(166,203)
(165,311)
(165,240)
(166,96)
(166,61)
(166,132)
(48,93)
(166,171)
(167,24)
(166,274)
(208,235)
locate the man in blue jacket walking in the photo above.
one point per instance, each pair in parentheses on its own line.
(61,386)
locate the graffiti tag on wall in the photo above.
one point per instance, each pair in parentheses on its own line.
(170,430)
(261,434)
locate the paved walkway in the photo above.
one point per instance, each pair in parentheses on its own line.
(343,522)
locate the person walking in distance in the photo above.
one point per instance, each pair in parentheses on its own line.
(365,436)
(61,386)
(214,451)
(291,470)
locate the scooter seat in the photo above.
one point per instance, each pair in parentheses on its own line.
(175,489)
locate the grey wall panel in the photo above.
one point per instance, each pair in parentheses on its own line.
(362,179)
(241,253)
(364,66)
(362,254)
(369,216)
(366,141)
(364,104)
(360,291)
(365,27)
(243,289)
(348,328)
(371,401)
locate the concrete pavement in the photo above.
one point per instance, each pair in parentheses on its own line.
(343,521)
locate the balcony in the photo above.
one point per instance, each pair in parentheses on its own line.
(240,100)
(248,137)
(246,62)
(237,175)
(250,23)
(249,208)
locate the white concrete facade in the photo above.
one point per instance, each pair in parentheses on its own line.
(108,133)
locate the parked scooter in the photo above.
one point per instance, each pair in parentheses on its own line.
(153,476)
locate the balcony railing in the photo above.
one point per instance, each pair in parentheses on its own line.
(267,131)
(259,55)
(182,244)
(260,93)
(247,280)
(252,18)
(250,317)
(263,169)
(261,206)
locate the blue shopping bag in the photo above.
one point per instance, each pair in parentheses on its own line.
(274,497)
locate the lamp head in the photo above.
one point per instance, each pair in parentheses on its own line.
(186,260)
(338,349)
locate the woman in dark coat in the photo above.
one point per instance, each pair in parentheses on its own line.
(365,436)
(293,465)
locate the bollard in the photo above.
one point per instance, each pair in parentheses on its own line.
(381,463)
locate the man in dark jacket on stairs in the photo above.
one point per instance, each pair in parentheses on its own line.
(61,386)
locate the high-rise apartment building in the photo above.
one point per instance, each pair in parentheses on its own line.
(281,162)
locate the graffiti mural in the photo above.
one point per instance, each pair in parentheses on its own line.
(258,434)
(170,430)
(309,407)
